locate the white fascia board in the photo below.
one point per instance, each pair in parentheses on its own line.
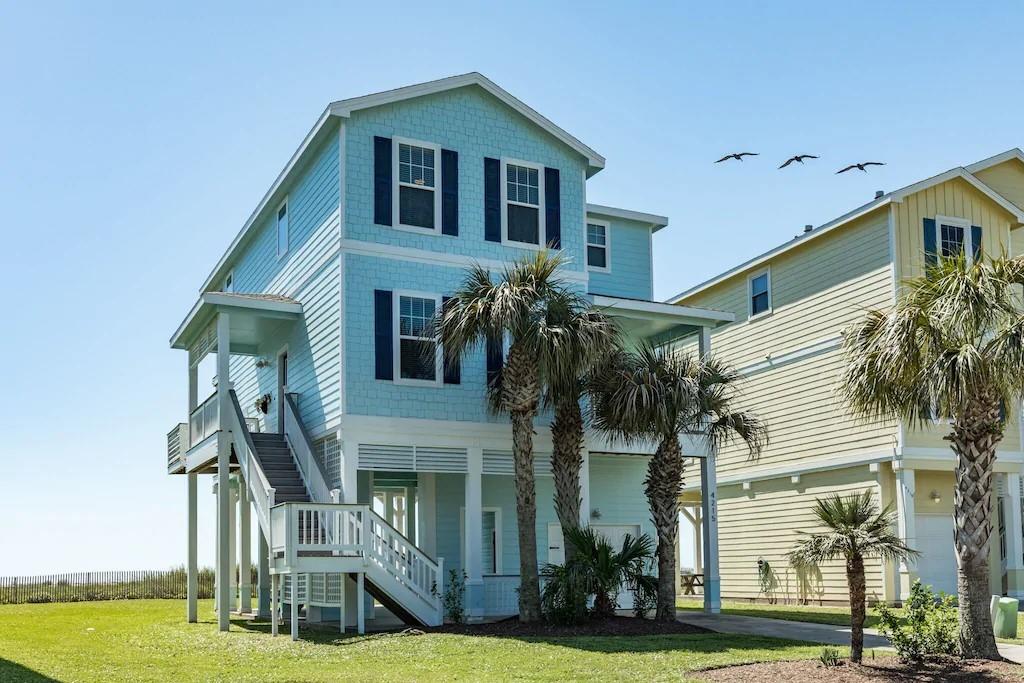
(996,159)
(344,108)
(214,299)
(783,248)
(971,179)
(655,221)
(243,233)
(658,308)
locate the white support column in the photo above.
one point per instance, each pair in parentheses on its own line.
(275,604)
(361,603)
(223,483)
(216,548)
(263,587)
(906,526)
(698,554)
(349,472)
(233,542)
(193,548)
(1014,537)
(709,509)
(426,525)
(294,604)
(585,489)
(474,527)
(244,548)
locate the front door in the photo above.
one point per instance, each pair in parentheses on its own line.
(393,505)
(282,384)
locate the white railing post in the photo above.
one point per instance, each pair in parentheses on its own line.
(439,582)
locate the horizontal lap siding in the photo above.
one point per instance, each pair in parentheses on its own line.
(1007,179)
(310,273)
(630,260)
(764,523)
(817,291)
(617,491)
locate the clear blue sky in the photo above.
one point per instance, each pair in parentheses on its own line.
(134,143)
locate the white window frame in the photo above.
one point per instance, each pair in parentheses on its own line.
(229,282)
(287,230)
(396,308)
(607,245)
(962,223)
(750,294)
(397,184)
(541,227)
(498,559)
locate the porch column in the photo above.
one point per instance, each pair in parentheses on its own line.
(906,525)
(244,548)
(1014,537)
(474,535)
(585,489)
(192,564)
(263,585)
(426,525)
(224,568)
(216,548)
(233,543)
(709,509)
(349,472)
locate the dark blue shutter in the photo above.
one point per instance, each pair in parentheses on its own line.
(552,208)
(495,360)
(449,192)
(492,200)
(930,251)
(382,181)
(976,242)
(383,333)
(452,366)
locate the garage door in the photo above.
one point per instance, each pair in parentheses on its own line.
(937,564)
(615,533)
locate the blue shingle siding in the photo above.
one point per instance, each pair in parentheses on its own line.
(476,125)
(630,260)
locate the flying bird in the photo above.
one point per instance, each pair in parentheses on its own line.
(860,166)
(738,156)
(798,158)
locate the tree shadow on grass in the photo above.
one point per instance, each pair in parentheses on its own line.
(16,673)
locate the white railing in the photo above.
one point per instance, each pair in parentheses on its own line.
(310,469)
(177,439)
(204,420)
(260,490)
(339,530)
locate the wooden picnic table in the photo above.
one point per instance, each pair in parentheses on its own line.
(691,582)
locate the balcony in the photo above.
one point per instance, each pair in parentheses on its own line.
(204,421)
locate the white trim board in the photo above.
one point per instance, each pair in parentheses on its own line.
(654,221)
(792,469)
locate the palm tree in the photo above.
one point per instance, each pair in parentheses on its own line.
(589,337)
(656,394)
(856,529)
(952,345)
(524,307)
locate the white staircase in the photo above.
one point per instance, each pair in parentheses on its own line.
(316,544)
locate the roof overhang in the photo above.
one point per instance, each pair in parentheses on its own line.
(249,315)
(344,108)
(648,319)
(997,159)
(653,221)
(967,176)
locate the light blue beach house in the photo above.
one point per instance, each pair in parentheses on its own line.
(372,470)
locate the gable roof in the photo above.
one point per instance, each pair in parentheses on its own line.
(344,108)
(997,159)
(654,221)
(896,196)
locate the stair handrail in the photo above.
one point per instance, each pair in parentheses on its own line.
(261,492)
(301,446)
(401,559)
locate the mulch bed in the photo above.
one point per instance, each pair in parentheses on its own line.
(611,626)
(887,669)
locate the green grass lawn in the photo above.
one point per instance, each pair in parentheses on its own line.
(149,640)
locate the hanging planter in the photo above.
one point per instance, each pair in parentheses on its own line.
(263,403)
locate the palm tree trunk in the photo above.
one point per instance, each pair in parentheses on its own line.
(566,462)
(855,580)
(520,393)
(974,439)
(663,484)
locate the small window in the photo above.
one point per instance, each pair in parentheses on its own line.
(417,200)
(418,358)
(282,229)
(760,294)
(951,240)
(229,282)
(523,207)
(597,246)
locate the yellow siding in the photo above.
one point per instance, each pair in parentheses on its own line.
(817,291)
(955,198)
(763,523)
(1007,179)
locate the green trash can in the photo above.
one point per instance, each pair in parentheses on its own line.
(1004,617)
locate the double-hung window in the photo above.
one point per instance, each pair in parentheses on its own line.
(598,238)
(282,229)
(523,198)
(952,237)
(417,176)
(760,293)
(417,357)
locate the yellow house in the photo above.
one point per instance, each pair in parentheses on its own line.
(791,306)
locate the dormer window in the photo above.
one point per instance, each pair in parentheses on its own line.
(523,199)
(416,197)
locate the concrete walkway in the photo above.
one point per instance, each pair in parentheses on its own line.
(826,634)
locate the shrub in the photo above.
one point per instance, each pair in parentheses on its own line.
(830,657)
(38,598)
(454,597)
(928,629)
(645,594)
(563,600)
